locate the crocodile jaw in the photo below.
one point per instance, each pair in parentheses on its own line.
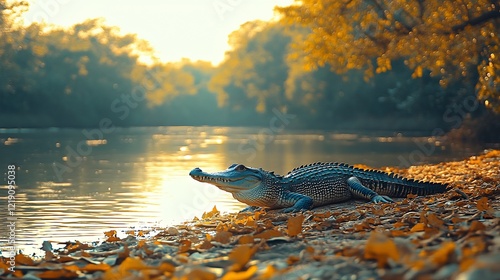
(227,180)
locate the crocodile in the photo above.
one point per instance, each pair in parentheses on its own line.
(312,185)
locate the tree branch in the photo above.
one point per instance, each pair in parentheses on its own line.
(477,20)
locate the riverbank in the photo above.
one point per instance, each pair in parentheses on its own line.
(450,235)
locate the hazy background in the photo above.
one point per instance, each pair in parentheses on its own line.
(223,63)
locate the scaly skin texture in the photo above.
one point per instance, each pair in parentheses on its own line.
(312,185)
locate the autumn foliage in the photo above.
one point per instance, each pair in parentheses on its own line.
(451,39)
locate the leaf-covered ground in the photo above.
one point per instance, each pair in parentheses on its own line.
(450,235)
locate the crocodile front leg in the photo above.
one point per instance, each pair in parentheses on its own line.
(357,189)
(299,201)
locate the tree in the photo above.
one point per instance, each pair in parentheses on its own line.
(452,39)
(255,69)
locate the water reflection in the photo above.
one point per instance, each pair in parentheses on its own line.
(138,177)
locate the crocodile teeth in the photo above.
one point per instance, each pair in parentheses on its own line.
(207,178)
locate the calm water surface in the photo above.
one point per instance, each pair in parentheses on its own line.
(72,188)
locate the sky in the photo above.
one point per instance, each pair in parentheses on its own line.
(194,29)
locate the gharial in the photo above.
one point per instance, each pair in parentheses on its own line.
(312,185)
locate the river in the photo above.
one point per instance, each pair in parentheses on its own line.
(74,184)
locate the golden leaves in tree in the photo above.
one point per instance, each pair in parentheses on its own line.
(442,37)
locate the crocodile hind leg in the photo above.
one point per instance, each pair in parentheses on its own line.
(357,189)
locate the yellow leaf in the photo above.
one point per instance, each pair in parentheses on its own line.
(269,272)
(476,225)
(294,225)
(434,221)
(241,255)
(223,237)
(110,233)
(205,245)
(482,204)
(418,227)
(3,266)
(270,233)
(246,239)
(72,267)
(211,214)
(443,255)
(58,274)
(96,267)
(242,275)
(199,274)
(113,239)
(132,264)
(23,259)
(167,267)
(398,233)
(381,248)
(184,246)
(292,260)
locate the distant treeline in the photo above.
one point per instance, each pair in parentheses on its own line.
(76,77)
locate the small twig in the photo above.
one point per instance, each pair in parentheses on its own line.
(460,192)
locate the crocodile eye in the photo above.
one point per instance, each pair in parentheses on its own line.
(240,167)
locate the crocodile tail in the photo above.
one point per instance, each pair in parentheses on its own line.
(396,186)
(414,187)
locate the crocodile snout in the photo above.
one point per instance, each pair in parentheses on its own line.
(195,171)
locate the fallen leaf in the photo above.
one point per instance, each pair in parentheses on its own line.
(131,263)
(110,233)
(58,274)
(223,237)
(205,245)
(49,256)
(291,260)
(240,255)
(95,267)
(418,227)
(443,254)
(199,274)
(167,267)
(398,233)
(482,204)
(3,267)
(434,221)
(399,224)
(269,272)
(268,234)
(211,214)
(184,245)
(72,267)
(246,239)
(113,239)
(23,259)
(381,248)
(64,258)
(294,225)
(476,225)
(241,275)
